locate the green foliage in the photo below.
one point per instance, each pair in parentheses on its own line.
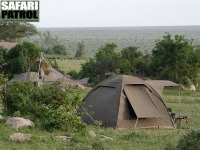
(13,31)
(54,64)
(190,141)
(50,106)
(105,62)
(80,51)
(132,61)
(21,58)
(2,55)
(74,74)
(59,49)
(175,59)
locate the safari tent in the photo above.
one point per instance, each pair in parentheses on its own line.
(128,102)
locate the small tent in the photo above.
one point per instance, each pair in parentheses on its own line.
(127,102)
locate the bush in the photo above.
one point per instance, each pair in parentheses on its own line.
(50,106)
(190,141)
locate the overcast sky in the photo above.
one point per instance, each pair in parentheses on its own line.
(115,13)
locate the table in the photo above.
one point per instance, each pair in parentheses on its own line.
(179,120)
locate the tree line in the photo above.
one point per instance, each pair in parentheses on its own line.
(172,58)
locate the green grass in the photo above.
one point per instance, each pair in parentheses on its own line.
(65,64)
(122,140)
(69,65)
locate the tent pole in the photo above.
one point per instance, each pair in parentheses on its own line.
(88,114)
(136,124)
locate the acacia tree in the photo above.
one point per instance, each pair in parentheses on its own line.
(175,59)
(14,31)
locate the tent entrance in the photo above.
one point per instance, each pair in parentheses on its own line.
(140,101)
(130,111)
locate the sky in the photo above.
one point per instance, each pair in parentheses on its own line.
(116,13)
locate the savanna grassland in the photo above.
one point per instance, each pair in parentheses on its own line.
(142,37)
(181,102)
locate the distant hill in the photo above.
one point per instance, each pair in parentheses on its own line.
(143,37)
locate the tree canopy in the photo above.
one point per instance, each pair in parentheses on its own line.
(13,31)
(80,51)
(21,58)
(175,59)
(107,62)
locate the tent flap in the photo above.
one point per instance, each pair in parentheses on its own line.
(141,102)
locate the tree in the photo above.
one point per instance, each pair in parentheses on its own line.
(59,49)
(106,62)
(21,58)
(46,40)
(176,59)
(2,55)
(132,60)
(14,31)
(81,50)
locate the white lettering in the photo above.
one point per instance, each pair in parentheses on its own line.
(36,5)
(23,6)
(4,5)
(30,5)
(17,5)
(11,5)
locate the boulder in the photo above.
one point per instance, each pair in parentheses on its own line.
(79,86)
(92,133)
(189,87)
(20,137)
(18,122)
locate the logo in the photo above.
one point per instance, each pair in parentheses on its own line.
(19,10)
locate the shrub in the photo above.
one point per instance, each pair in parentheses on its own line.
(50,106)
(190,141)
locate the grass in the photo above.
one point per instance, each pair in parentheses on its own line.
(65,64)
(68,65)
(122,140)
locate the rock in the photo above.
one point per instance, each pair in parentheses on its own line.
(18,122)
(1,117)
(79,86)
(64,138)
(189,87)
(106,137)
(92,133)
(20,137)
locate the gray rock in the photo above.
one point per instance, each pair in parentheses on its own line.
(79,86)
(189,87)
(20,137)
(92,133)
(18,122)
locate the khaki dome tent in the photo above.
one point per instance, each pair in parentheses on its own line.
(127,102)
